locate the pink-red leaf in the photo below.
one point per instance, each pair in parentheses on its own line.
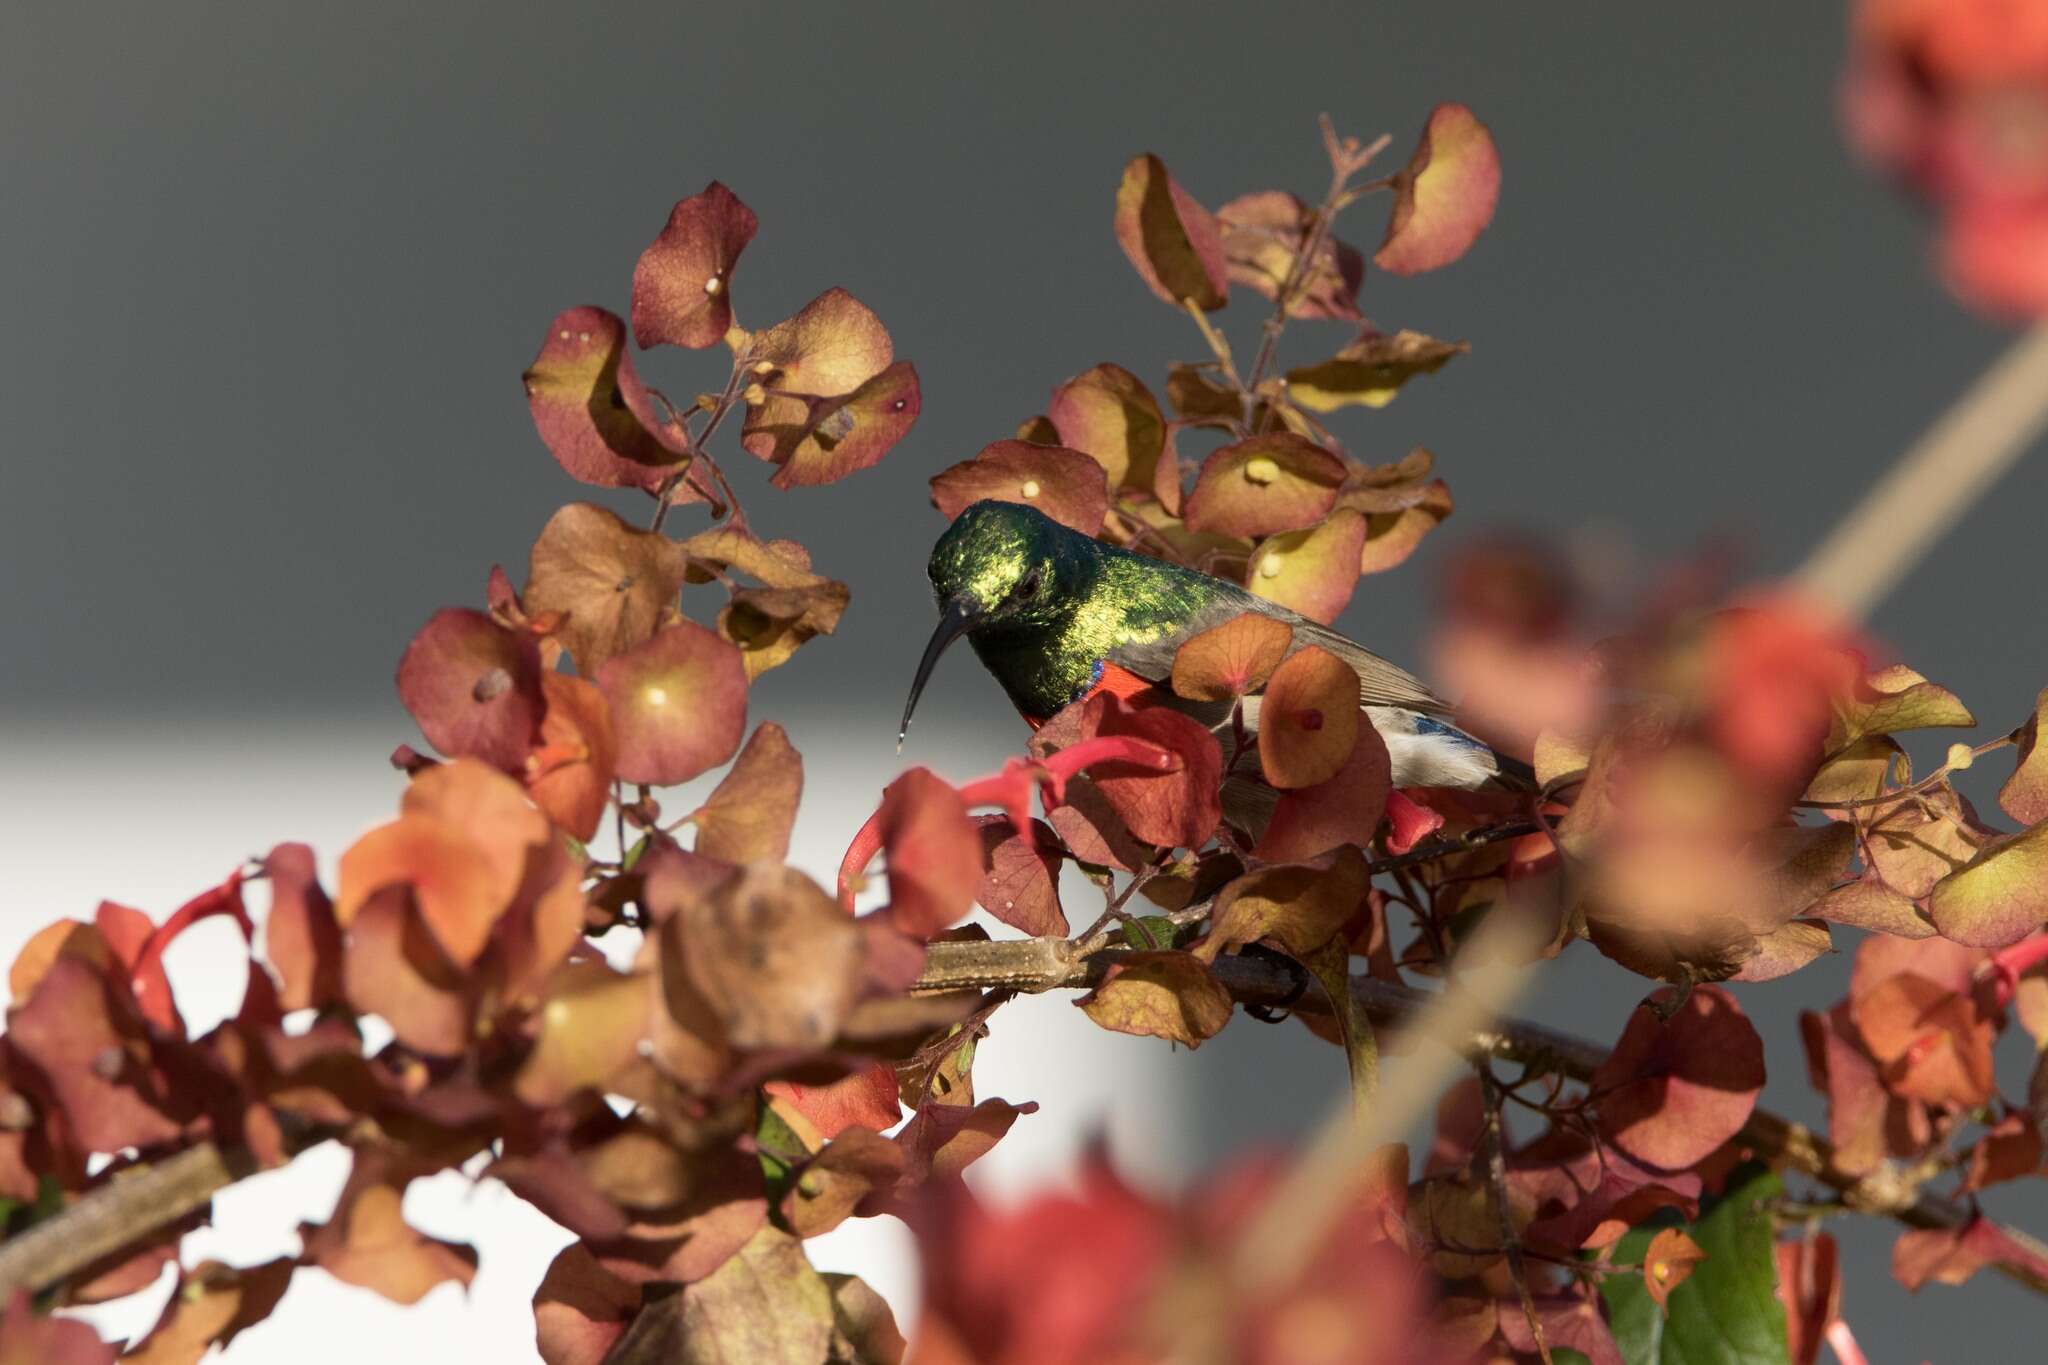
(474,687)
(591,410)
(678,704)
(933,852)
(1069,486)
(1308,719)
(1673,1091)
(682,293)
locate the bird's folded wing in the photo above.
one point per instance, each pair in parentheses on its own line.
(1379,683)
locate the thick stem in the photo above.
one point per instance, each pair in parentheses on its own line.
(118,1214)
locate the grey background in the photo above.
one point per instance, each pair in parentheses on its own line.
(270,274)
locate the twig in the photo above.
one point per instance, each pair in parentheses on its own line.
(1934,482)
(1925,784)
(118,1214)
(1497,1181)
(1346,157)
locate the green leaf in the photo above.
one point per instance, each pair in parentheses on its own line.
(1151,931)
(16,1216)
(1727,1312)
(780,1149)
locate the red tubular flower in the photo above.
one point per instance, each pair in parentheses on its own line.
(1011,790)
(152,988)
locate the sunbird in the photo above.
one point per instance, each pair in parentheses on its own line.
(1057,615)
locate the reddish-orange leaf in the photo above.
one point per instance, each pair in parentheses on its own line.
(2025,794)
(1953,1255)
(945,1139)
(581,1309)
(394,968)
(300,936)
(458,885)
(1673,1091)
(2008,1150)
(64,938)
(1228,661)
(490,809)
(1173,808)
(1022,885)
(89,1044)
(866,1099)
(1669,1263)
(212,1305)
(1308,718)
(771,622)
(368,1242)
(1444,196)
(838,435)
(858,1162)
(1301,906)
(31,1338)
(1108,414)
(1391,536)
(569,773)
(833,345)
(1264,485)
(1263,237)
(1171,240)
(933,853)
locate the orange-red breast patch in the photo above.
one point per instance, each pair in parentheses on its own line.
(1115,680)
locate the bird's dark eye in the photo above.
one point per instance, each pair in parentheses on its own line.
(1028,589)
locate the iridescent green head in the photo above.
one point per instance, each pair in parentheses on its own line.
(999,566)
(998,559)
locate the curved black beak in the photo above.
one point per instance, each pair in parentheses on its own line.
(957,619)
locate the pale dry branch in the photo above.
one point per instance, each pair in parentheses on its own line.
(1937,480)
